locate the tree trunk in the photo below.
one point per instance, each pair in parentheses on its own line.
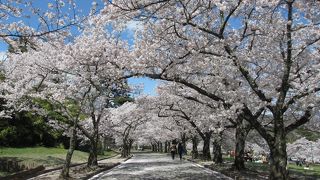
(124,152)
(161,147)
(125,148)
(239,150)
(130,146)
(158,146)
(93,154)
(104,143)
(65,170)
(184,141)
(242,130)
(166,147)
(206,147)
(195,143)
(152,146)
(217,154)
(278,156)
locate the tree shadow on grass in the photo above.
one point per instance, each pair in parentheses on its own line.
(54,160)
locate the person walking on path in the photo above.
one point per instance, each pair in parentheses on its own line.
(180,150)
(173,150)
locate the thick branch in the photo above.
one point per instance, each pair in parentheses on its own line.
(203,29)
(137,6)
(288,61)
(186,83)
(85,132)
(304,119)
(247,115)
(254,86)
(296,97)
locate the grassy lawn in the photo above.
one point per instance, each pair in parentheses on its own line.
(4,174)
(261,171)
(48,157)
(312,170)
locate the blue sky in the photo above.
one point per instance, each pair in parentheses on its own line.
(85,6)
(149,85)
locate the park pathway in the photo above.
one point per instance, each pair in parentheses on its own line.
(158,166)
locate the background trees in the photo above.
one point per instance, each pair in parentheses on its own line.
(191,111)
(124,122)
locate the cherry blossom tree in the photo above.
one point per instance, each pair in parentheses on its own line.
(263,55)
(32,75)
(103,71)
(24,21)
(82,77)
(241,126)
(158,132)
(304,149)
(124,121)
(194,112)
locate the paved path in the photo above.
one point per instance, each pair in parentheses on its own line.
(158,166)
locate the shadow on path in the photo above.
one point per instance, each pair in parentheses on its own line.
(158,166)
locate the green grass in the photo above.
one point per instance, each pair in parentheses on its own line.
(48,157)
(259,170)
(227,158)
(4,174)
(107,154)
(33,157)
(295,171)
(314,170)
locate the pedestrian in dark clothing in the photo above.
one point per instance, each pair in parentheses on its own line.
(173,150)
(180,150)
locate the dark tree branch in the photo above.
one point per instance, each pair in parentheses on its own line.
(296,97)
(247,115)
(304,119)
(227,19)
(254,86)
(288,61)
